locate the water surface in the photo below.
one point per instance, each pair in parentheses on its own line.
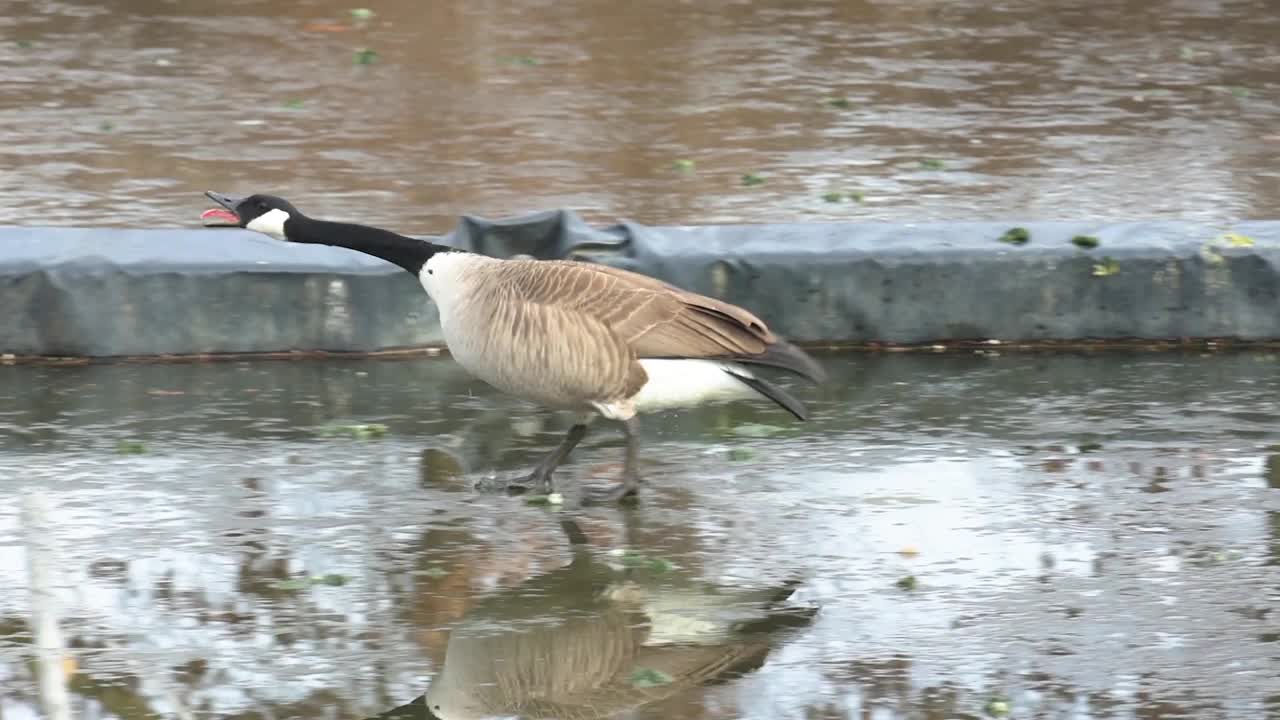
(1090,537)
(121,112)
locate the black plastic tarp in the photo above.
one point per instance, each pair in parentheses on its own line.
(113,292)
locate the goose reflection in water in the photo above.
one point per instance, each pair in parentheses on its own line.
(594,639)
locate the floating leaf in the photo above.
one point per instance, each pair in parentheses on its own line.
(357,431)
(365,56)
(292,584)
(1106,268)
(997,706)
(839,103)
(751,179)
(682,165)
(1237,240)
(1087,242)
(106,126)
(325,27)
(907,583)
(294,104)
(538,500)
(833,196)
(524,60)
(1240,92)
(634,559)
(24,44)
(740,454)
(1090,447)
(130,447)
(362,14)
(433,572)
(1211,255)
(1016,236)
(649,677)
(932,164)
(856,195)
(331,579)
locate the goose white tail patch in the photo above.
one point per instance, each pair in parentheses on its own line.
(688,383)
(270,223)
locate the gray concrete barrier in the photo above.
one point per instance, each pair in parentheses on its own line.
(112,292)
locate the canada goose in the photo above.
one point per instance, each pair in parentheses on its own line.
(577,336)
(591,640)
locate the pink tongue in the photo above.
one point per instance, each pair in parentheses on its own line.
(219,216)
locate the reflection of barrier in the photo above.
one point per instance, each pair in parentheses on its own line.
(86,292)
(49,644)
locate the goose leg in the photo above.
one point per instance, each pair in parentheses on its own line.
(630,484)
(541,475)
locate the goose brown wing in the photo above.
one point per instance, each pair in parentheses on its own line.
(655,318)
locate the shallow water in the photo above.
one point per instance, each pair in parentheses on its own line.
(1093,537)
(122,112)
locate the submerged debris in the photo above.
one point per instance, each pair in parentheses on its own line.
(550,499)
(1106,268)
(649,677)
(755,430)
(365,56)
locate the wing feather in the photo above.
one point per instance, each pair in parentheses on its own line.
(655,318)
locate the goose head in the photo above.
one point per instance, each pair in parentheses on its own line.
(266,214)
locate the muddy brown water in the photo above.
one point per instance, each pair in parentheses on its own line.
(1090,537)
(122,112)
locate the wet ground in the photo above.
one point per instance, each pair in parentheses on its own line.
(122,112)
(1085,537)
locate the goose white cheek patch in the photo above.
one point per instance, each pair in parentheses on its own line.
(270,223)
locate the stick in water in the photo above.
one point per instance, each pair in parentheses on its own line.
(44,609)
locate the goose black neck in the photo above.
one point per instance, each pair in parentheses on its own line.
(409,253)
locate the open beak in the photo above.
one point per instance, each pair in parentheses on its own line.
(223,216)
